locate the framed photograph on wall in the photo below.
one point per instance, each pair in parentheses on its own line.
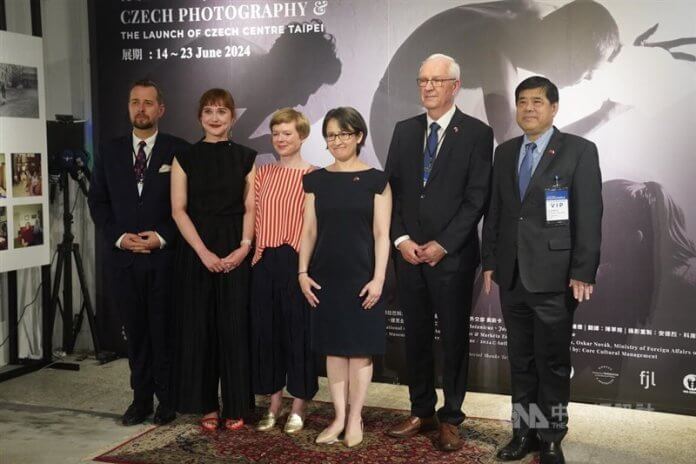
(23,163)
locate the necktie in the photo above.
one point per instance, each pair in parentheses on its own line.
(140,162)
(526,168)
(430,151)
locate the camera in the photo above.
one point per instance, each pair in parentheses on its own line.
(66,153)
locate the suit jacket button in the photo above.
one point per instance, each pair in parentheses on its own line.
(521,218)
(422,195)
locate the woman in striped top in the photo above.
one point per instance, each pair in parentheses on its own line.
(281,348)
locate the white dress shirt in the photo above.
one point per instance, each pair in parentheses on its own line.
(149,145)
(443,123)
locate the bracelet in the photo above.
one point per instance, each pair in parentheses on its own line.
(245,241)
(302,272)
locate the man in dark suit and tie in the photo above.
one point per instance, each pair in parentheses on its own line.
(439,169)
(130,205)
(541,241)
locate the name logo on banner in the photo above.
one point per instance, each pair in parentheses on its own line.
(534,419)
(605,375)
(690,384)
(647,379)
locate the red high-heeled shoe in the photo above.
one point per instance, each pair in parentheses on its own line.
(234,424)
(210,424)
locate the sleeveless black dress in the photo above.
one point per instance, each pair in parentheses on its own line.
(343,261)
(211,309)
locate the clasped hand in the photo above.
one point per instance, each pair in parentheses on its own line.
(214,263)
(142,242)
(430,253)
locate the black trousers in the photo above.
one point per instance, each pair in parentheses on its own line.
(539,330)
(280,327)
(142,292)
(444,290)
(212,327)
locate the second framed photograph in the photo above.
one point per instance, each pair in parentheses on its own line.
(26,174)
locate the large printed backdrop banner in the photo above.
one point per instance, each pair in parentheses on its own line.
(627,75)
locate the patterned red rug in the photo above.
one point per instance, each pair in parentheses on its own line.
(184,442)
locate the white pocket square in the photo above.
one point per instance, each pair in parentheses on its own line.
(165,168)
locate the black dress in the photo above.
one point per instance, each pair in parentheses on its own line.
(212,308)
(344,261)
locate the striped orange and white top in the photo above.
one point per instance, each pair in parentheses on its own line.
(279,207)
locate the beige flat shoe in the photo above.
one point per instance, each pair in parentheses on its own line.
(294,424)
(266,423)
(354,440)
(327,438)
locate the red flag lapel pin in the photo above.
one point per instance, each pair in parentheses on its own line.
(551,152)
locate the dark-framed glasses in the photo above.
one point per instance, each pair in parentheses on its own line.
(436,82)
(342,136)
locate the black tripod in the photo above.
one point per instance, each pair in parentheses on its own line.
(67,250)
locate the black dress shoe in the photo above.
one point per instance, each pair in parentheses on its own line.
(164,415)
(136,414)
(518,447)
(551,453)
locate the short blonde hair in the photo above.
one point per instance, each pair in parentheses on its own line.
(286,115)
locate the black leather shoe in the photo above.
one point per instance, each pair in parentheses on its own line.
(164,415)
(136,414)
(518,447)
(551,453)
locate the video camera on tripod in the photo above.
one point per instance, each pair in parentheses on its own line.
(68,159)
(66,153)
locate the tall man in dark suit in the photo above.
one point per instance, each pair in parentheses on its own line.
(439,168)
(130,205)
(541,242)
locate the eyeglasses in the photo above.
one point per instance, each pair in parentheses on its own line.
(342,136)
(436,82)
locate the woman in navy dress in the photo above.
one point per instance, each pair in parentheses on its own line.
(343,259)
